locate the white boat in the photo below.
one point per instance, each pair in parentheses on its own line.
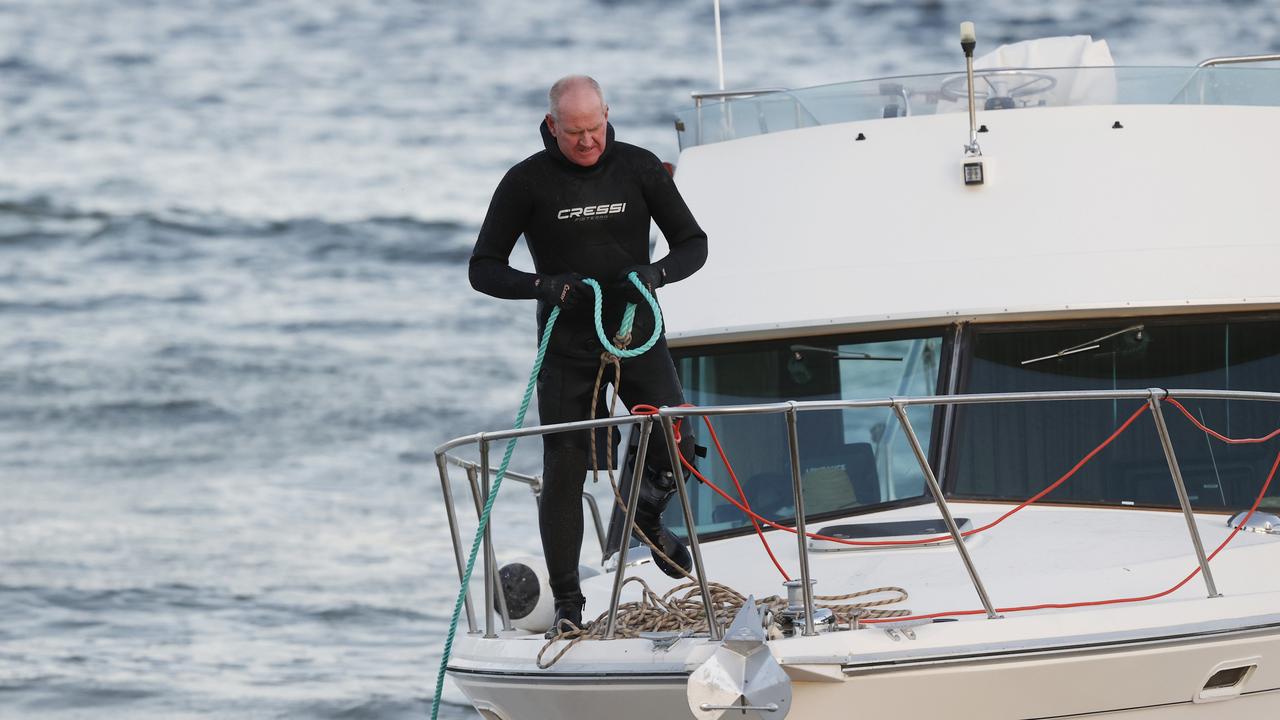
(870,327)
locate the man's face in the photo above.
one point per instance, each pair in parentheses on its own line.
(580,132)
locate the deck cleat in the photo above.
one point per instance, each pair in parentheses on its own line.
(793,617)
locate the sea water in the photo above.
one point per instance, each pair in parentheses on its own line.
(234,319)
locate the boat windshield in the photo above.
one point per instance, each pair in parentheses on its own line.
(726,116)
(857,460)
(849,458)
(1012,451)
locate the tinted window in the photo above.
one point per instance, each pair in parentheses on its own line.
(849,458)
(1011,451)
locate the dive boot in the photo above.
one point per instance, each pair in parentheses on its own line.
(568,618)
(655,493)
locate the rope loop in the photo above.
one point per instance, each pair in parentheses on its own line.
(628,317)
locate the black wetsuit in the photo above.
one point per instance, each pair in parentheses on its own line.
(593,221)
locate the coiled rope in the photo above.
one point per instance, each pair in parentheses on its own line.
(681,609)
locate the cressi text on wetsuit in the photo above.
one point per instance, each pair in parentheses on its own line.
(593,221)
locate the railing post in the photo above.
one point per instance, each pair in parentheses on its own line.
(1157,413)
(697,104)
(950,521)
(677,469)
(442,464)
(488,544)
(797,490)
(481,495)
(595,517)
(633,499)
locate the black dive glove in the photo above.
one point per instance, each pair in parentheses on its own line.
(650,276)
(563,291)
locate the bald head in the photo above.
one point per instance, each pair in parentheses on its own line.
(578,119)
(575,92)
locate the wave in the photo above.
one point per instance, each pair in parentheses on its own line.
(90,599)
(179,235)
(192,597)
(390,239)
(104,302)
(379,707)
(17,69)
(366,614)
(344,327)
(55,693)
(130,412)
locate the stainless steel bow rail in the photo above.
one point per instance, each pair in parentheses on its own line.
(478,478)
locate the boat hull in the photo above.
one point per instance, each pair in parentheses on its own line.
(1162,678)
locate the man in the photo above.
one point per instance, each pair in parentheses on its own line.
(584,204)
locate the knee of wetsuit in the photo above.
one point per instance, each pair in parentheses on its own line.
(606,447)
(578,439)
(563,463)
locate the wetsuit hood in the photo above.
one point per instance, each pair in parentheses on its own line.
(553,149)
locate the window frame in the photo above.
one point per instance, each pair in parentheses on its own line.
(951,461)
(948,335)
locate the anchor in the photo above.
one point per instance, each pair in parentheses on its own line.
(741,679)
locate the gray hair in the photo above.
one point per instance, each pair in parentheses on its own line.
(568,83)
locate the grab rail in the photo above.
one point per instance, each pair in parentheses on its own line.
(1237,60)
(1154,397)
(534,483)
(1198,77)
(699,96)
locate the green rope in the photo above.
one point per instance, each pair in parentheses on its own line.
(628,316)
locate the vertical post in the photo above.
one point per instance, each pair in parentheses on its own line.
(973,119)
(797,490)
(713,629)
(1157,413)
(697,104)
(633,499)
(442,464)
(595,518)
(488,543)
(719,46)
(968,41)
(482,496)
(950,521)
(949,410)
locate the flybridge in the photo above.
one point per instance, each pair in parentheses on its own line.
(1086,173)
(732,114)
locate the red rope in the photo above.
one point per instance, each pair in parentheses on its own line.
(746,506)
(1215,433)
(921,541)
(756,519)
(1114,601)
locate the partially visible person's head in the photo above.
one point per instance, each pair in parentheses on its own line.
(578,118)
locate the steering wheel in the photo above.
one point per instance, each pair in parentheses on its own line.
(999,83)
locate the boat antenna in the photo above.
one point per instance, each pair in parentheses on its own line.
(720,52)
(968,41)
